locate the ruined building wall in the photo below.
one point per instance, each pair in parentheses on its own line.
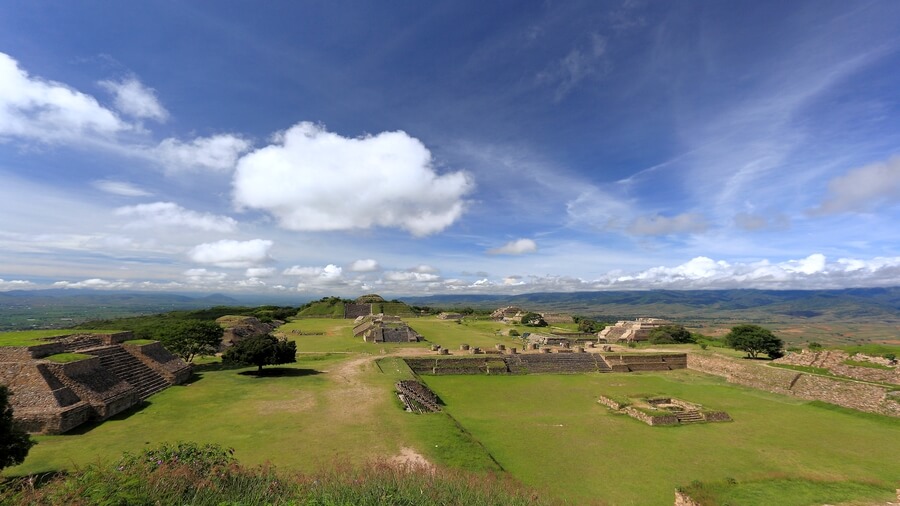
(846,393)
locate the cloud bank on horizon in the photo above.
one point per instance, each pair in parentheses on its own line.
(592,146)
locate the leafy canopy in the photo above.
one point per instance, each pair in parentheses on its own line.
(670,334)
(755,340)
(260,351)
(190,338)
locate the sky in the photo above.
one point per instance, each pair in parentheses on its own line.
(414,148)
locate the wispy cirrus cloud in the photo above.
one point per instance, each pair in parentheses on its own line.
(169,214)
(134,99)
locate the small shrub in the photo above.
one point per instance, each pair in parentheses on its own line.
(814,346)
(890,356)
(632,344)
(703,346)
(514,333)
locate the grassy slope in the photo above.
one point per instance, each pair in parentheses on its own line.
(298,421)
(588,452)
(547,430)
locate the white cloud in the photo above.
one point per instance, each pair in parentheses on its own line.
(136,100)
(365,265)
(517,247)
(120,188)
(259,272)
(663,225)
(203,276)
(14,284)
(425,269)
(232,254)
(863,189)
(168,214)
(407,276)
(95,283)
(330,275)
(311,179)
(48,111)
(218,153)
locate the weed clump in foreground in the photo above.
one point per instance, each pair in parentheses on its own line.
(188,473)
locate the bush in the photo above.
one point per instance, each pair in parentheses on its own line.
(514,333)
(670,334)
(814,346)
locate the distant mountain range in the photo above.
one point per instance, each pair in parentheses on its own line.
(858,304)
(24,309)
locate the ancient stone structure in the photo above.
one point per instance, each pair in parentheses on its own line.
(384,329)
(557,318)
(847,393)
(450,316)
(835,361)
(416,397)
(631,331)
(52,398)
(534,363)
(238,328)
(665,411)
(508,314)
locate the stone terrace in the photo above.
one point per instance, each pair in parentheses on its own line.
(52,398)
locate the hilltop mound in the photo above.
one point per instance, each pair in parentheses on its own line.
(238,328)
(369,299)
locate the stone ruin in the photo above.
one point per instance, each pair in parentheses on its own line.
(238,328)
(557,318)
(52,398)
(631,331)
(382,328)
(450,316)
(568,362)
(664,410)
(508,314)
(416,397)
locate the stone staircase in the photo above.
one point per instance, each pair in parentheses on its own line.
(691,416)
(125,366)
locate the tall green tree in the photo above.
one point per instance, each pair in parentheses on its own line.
(14,443)
(260,351)
(533,320)
(192,338)
(754,340)
(670,334)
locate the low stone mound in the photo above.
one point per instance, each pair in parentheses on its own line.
(416,397)
(238,328)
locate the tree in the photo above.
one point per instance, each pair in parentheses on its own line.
(754,340)
(533,320)
(670,334)
(589,326)
(14,443)
(190,338)
(260,351)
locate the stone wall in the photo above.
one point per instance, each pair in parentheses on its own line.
(833,360)
(846,393)
(104,391)
(157,357)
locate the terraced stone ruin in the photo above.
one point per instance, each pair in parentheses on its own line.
(50,397)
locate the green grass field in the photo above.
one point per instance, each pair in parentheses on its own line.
(548,431)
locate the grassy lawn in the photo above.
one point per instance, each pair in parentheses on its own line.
(324,409)
(65,358)
(587,452)
(337,403)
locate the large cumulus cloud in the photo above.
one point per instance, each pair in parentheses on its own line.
(314,180)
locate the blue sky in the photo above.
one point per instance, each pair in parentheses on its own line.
(449,147)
